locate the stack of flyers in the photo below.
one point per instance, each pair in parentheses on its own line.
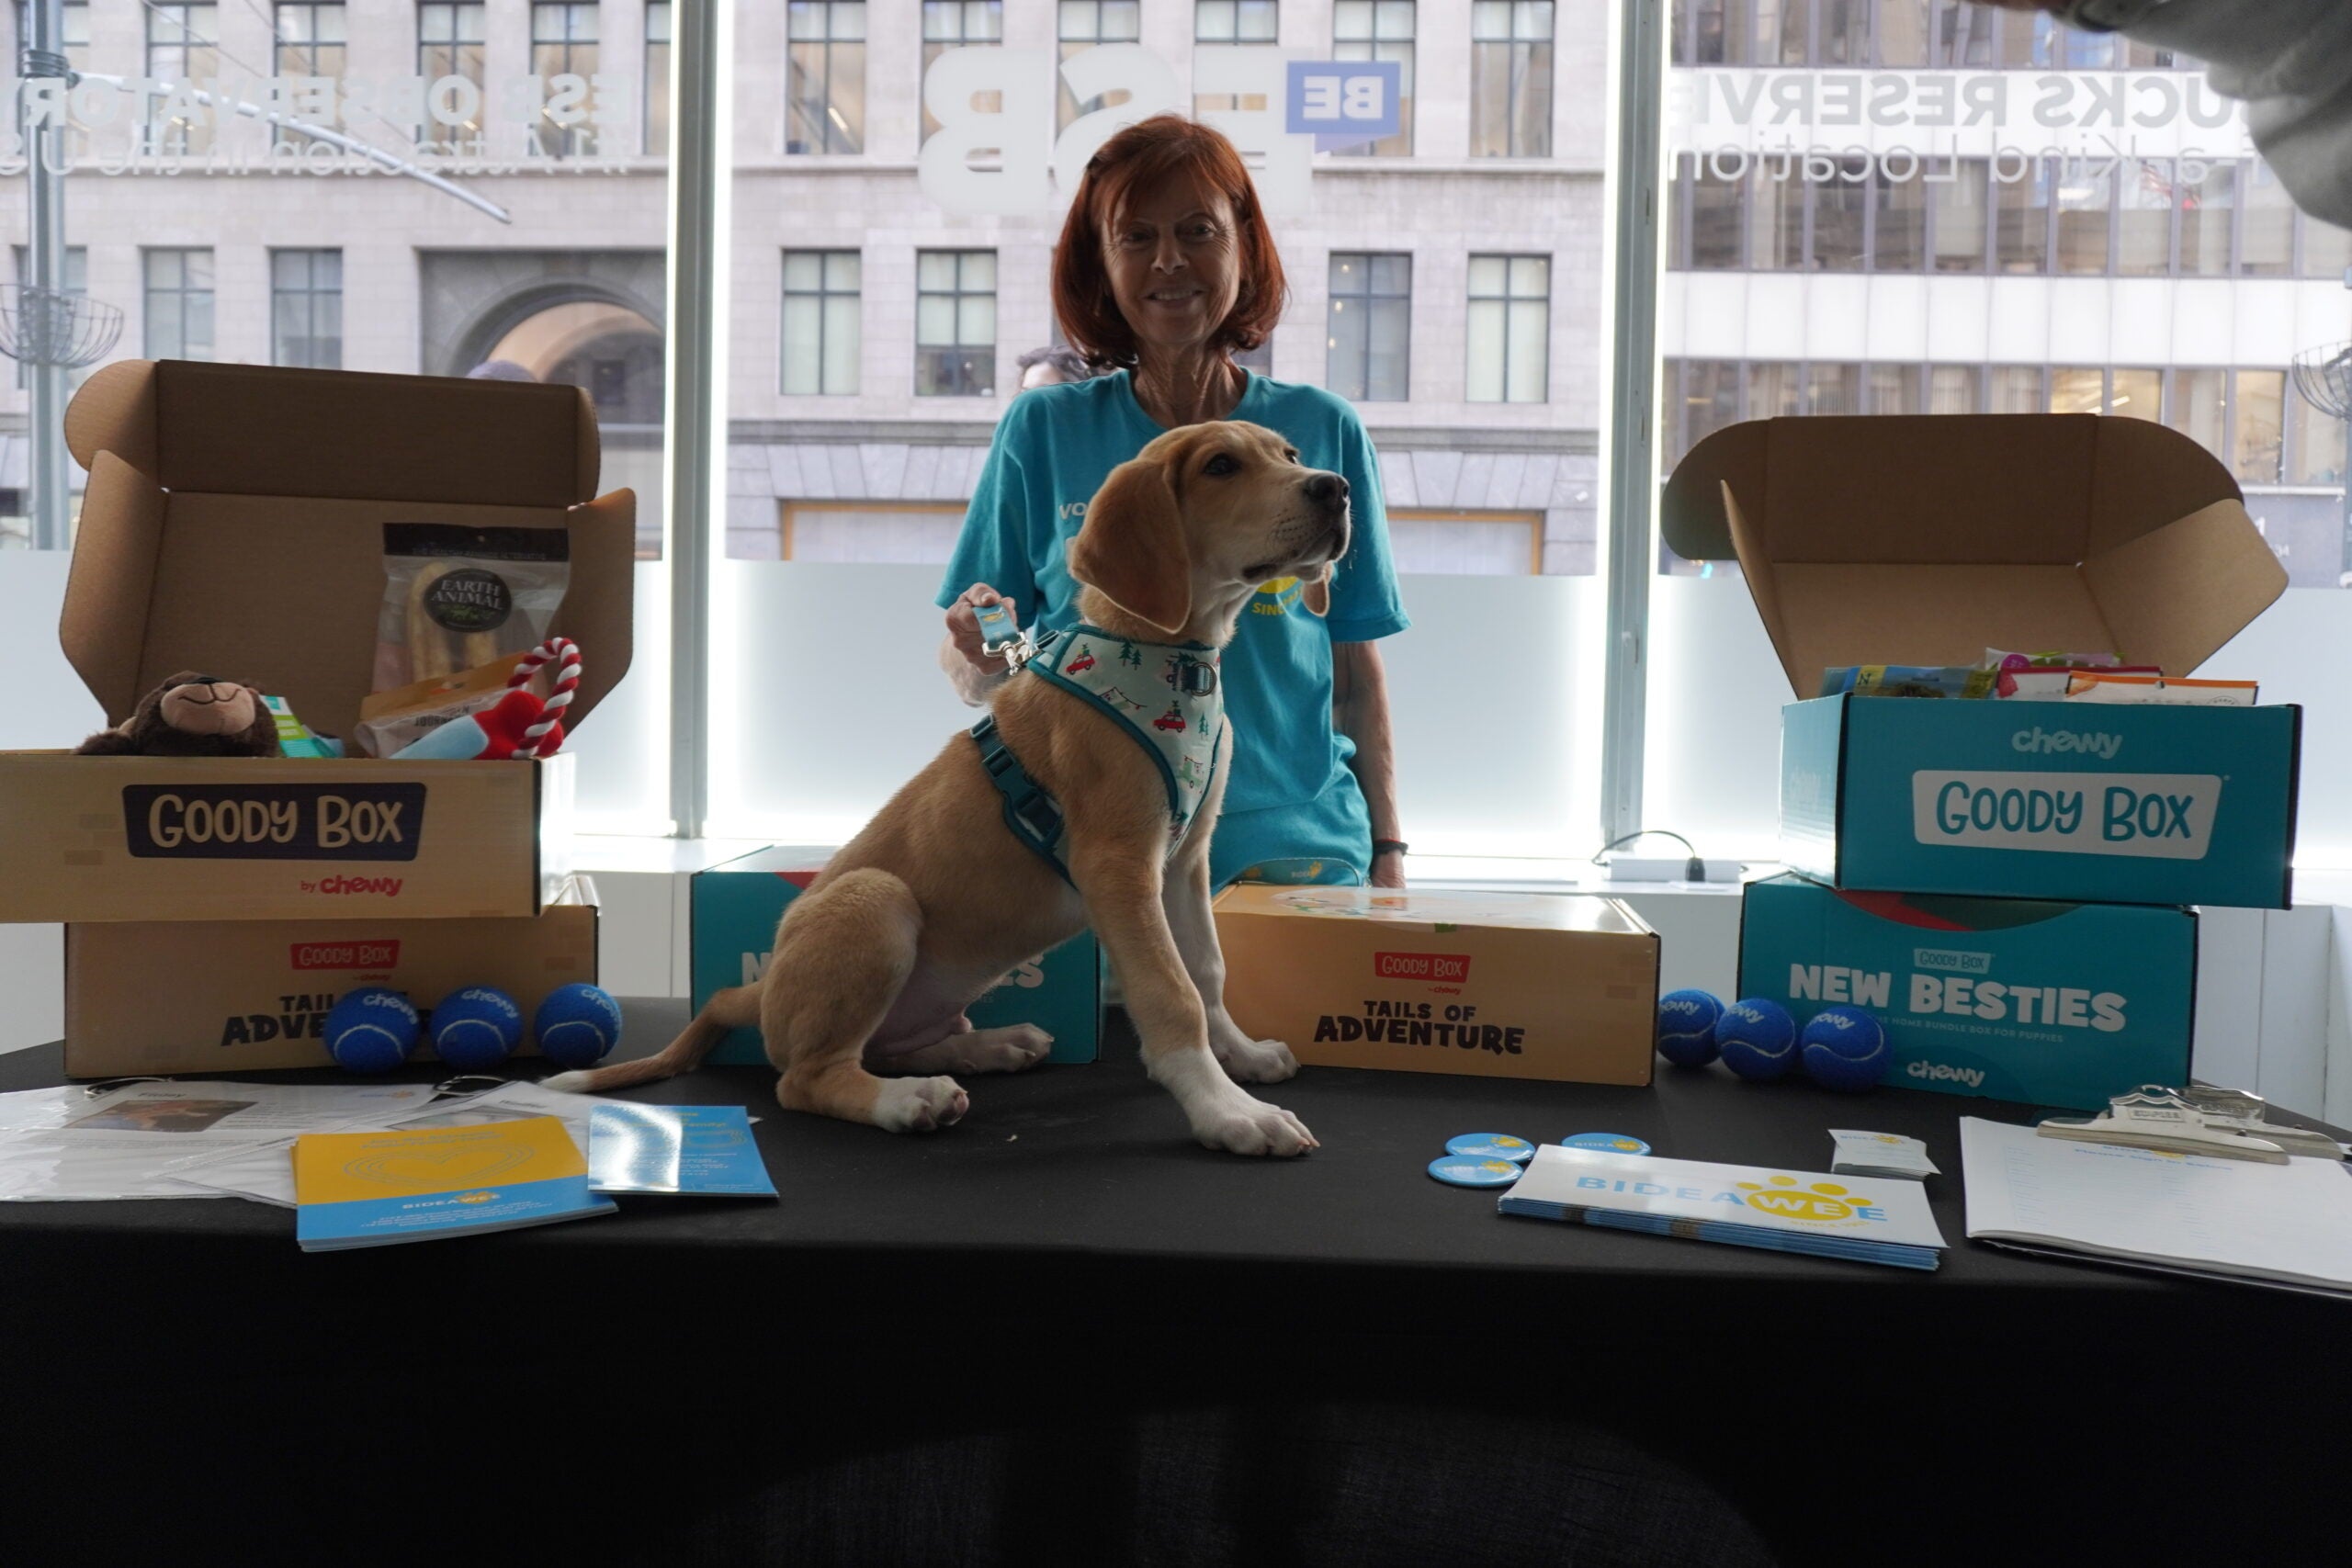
(1856,1218)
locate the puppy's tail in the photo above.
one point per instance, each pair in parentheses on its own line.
(727,1011)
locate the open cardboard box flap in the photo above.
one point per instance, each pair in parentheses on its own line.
(233,521)
(1926,539)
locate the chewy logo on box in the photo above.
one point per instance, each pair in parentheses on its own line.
(1453,966)
(2164,815)
(346,954)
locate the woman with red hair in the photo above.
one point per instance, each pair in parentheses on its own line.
(1165,271)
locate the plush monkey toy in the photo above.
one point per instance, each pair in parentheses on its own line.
(191,715)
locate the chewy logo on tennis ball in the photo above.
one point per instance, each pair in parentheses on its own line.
(2168,816)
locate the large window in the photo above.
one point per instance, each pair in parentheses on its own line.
(306,308)
(311,41)
(960,23)
(450,42)
(563,43)
(956,323)
(183,49)
(822,339)
(1380,30)
(1510,79)
(1230,23)
(1370,347)
(178,299)
(1088,24)
(1511,328)
(825,109)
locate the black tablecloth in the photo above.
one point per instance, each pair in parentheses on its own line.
(1065,1258)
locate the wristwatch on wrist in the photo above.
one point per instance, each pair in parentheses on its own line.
(2106,16)
(1383,846)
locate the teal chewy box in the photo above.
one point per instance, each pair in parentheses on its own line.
(734,908)
(2015,999)
(2087,802)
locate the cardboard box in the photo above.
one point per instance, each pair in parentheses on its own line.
(2142,805)
(2048,1003)
(1493,985)
(1927,540)
(233,524)
(734,908)
(250,996)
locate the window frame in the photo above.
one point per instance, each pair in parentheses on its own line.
(310,294)
(149,293)
(1517,81)
(1371,298)
(1507,299)
(824,294)
(963,256)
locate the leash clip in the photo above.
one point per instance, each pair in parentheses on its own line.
(1001,636)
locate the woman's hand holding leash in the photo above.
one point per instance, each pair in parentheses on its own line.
(964,628)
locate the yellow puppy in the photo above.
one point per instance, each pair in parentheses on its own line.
(937,898)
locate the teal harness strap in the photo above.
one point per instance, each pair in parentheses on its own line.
(1031,814)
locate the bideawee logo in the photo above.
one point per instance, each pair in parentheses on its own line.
(1451,967)
(345,821)
(2154,816)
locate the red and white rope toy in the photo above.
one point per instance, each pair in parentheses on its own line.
(539,739)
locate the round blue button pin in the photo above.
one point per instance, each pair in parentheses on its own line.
(1607,1143)
(1490,1145)
(1468,1170)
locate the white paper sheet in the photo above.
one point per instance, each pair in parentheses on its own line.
(2289,1224)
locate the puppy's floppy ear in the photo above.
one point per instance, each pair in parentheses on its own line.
(1315,591)
(1131,546)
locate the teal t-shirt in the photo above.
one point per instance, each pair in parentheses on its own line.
(1291,793)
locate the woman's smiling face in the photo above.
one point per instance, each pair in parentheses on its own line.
(1174,264)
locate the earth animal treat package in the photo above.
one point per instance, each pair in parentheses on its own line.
(458,598)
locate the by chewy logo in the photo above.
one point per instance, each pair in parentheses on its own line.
(1935,1072)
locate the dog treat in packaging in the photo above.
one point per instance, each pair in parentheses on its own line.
(390,722)
(2111,686)
(1996,660)
(457,599)
(1907,681)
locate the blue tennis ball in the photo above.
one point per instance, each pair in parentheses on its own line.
(371,1029)
(476,1028)
(1844,1048)
(1758,1039)
(576,1025)
(1685,1027)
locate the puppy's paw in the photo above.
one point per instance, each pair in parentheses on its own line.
(919,1105)
(1009,1050)
(1255,1061)
(1246,1127)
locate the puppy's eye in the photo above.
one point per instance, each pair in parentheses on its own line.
(1221,465)
(1292,453)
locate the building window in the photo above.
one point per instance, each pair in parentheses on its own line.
(306,308)
(1368,349)
(1466,544)
(896,533)
(311,41)
(2200,407)
(956,323)
(1088,23)
(656,78)
(1510,79)
(1379,30)
(2015,389)
(1230,23)
(2315,455)
(450,42)
(1898,221)
(825,109)
(179,304)
(2021,219)
(563,43)
(2269,236)
(1959,206)
(2208,208)
(2259,414)
(75,281)
(822,334)
(1511,328)
(183,47)
(959,24)
(2085,215)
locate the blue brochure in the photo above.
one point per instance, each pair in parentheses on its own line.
(695,1151)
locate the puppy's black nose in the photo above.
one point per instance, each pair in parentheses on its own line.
(1327,489)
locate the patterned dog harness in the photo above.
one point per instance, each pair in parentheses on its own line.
(1167,699)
